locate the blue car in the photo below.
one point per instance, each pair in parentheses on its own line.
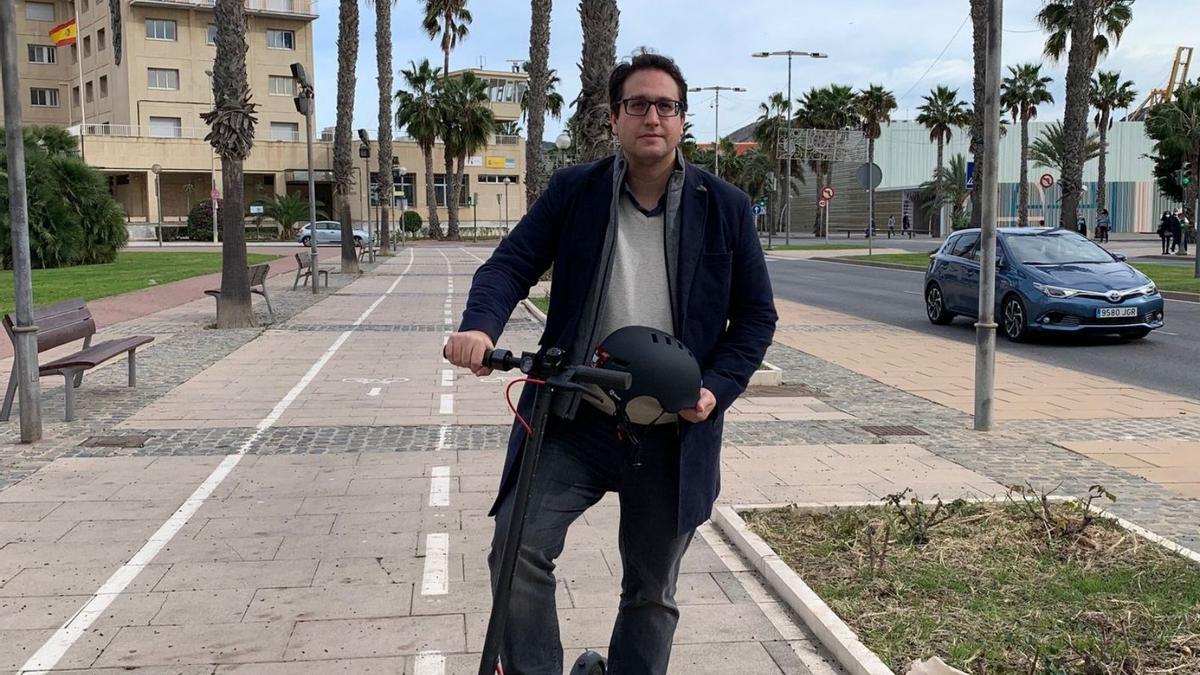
(1047,281)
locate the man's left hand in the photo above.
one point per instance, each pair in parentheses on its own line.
(703,409)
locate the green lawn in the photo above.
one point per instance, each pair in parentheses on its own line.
(542,303)
(1168,277)
(814,247)
(132,271)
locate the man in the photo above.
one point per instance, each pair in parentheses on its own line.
(1185,229)
(1175,229)
(640,238)
(1103,222)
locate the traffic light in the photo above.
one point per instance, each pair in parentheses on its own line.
(1187,174)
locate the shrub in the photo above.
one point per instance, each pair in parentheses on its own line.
(200,221)
(412,222)
(73,219)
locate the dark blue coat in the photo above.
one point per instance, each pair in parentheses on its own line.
(727,314)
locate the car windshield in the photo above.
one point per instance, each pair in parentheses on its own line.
(1055,248)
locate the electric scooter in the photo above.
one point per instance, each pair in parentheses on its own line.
(550,373)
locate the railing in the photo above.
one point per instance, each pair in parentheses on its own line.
(301,7)
(193,133)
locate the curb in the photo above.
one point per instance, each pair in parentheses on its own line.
(837,637)
(1180,295)
(870,263)
(537,314)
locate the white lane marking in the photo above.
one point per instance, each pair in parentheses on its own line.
(472,255)
(447,378)
(448,321)
(374,391)
(437,564)
(447,405)
(61,641)
(1163,332)
(839,262)
(439,486)
(430,663)
(911,292)
(443,437)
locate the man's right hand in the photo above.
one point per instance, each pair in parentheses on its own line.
(466,350)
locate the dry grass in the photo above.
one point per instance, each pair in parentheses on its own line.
(992,592)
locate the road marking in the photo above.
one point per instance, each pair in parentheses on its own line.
(447,406)
(447,378)
(430,663)
(374,391)
(61,641)
(439,486)
(912,292)
(437,564)
(443,436)
(850,264)
(1163,332)
(472,255)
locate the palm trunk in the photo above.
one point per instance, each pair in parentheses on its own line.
(1023,187)
(979,12)
(941,192)
(1100,191)
(600,19)
(342,162)
(1075,112)
(435,227)
(460,170)
(233,306)
(383,57)
(539,76)
(451,196)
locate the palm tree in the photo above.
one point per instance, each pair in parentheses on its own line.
(831,107)
(467,124)
(1049,150)
(1108,93)
(417,113)
(941,113)
(600,20)
(554,100)
(537,95)
(286,211)
(979,17)
(1174,127)
(446,20)
(383,60)
(774,115)
(1020,95)
(874,105)
(948,186)
(343,163)
(1084,30)
(231,133)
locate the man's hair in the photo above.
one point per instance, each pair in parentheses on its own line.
(643,59)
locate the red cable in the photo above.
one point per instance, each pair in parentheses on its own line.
(508,398)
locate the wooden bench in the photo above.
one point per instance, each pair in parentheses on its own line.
(304,271)
(258,284)
(368,251)
(58,325)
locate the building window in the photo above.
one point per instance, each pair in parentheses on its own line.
(282,86)
(439,189)
(162,78)
(285,131)
(43,54)
(406,184)
(39,11)
(501,90)
(74,53)
(281,39)
(160,29)
(103,86)
(43,98)
(101,40)
(211,38)
(87,45)
(89,93)
(74,97)
(166,127)
(496,178)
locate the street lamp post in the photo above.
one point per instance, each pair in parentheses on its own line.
(506,182)
(157,169)
(475,215)
(403,201)
(212,165)
(364,151)
(563,143)
(717,121)
(304,105)
(787,169)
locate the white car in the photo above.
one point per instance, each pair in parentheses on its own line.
(330,232)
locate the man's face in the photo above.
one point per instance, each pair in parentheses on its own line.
(649,138)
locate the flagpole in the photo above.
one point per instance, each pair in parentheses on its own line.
(82,93)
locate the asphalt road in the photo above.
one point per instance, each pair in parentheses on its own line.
(1168,360)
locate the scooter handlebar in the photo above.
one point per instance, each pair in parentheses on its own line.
(500,359)
(503,359)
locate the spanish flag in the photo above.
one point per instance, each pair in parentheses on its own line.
(64,34)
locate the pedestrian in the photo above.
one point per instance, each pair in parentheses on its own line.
(1102,224)
(1185,231)
(891,226)
(1164,232)
(1081,226)
(906,225)
(637,238)
(1175,228)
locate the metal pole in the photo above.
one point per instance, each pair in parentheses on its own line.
(826,221)
(717,134)
(870,214)
(787,169)
(24,333)
(985,328)
(158,198)
(475,215)
(312,196)
(1196,229)
(82,93)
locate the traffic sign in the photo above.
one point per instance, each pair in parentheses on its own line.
(827,192)
(970,176)
(1046,181)
(869,175)
(757,209)
(822,203)
(215,194)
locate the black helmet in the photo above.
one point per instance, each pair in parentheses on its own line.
(663,368)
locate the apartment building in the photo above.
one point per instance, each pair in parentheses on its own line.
(139,74)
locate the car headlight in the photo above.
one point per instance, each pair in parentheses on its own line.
(1055,291)
(1148,289)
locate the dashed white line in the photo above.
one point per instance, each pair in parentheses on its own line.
(61,641)
(374,391)
(430,663)
(447,405)
(447,377)
(436,579)
(439,486)
(443,437)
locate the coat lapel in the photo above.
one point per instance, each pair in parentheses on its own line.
(691,235)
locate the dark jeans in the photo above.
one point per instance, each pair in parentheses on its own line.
(581,460)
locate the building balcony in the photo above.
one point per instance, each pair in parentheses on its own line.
(289,9)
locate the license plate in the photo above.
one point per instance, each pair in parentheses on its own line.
(1113,312)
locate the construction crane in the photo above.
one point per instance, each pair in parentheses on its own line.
(1179,73)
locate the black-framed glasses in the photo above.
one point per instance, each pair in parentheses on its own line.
(640,107)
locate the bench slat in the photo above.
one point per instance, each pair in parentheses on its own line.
(58,324)
(96,354)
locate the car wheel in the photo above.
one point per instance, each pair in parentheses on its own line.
(1014,320)
(935,306)
(1136,334)
(306,241)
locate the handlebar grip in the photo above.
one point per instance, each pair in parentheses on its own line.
(606,379)
(500,359)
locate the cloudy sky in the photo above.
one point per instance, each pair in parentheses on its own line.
(908,47)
